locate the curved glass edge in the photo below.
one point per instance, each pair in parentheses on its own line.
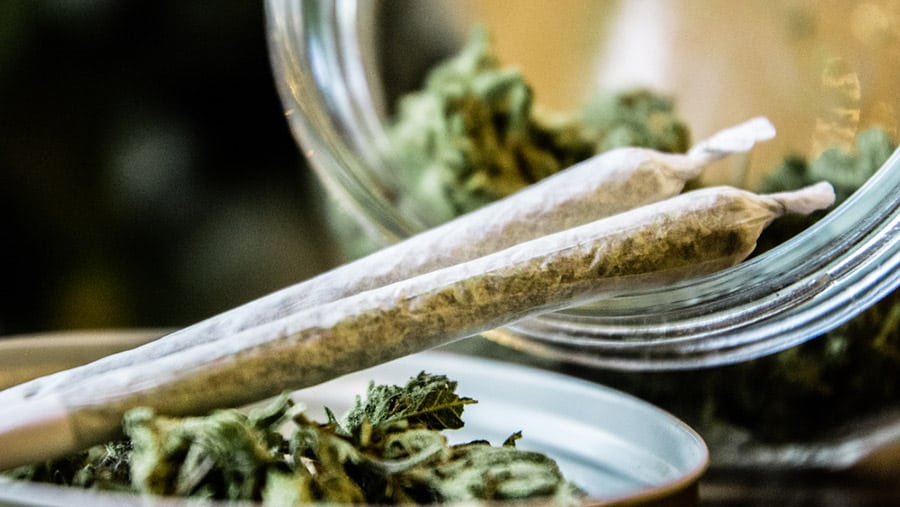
(308,43)
(795,292)
(799,290)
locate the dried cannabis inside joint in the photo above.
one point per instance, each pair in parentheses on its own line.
(389,448)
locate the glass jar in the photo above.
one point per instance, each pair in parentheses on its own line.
(819,70)
(704,349)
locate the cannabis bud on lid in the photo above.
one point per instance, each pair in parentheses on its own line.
(390,448)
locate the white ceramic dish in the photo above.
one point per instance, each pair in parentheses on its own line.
(616,447)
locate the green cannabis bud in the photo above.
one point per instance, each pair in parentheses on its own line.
(388,449)
(471,135)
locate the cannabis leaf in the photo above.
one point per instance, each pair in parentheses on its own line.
(428,401)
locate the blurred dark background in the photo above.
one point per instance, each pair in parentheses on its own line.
(147,174)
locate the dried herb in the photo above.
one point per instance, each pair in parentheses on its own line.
(388,449)
(634,118)
(472,135)
(480,471)
(104,467)
(224,455)
(426,400)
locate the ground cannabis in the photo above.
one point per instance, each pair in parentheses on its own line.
(390,448)
(103,467)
